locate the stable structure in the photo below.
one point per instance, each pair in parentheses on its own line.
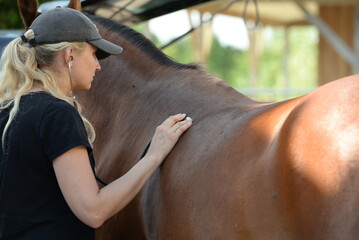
(337,21)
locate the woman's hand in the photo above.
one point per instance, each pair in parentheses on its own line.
(167,135)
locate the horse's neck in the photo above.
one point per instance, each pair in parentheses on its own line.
(140,76)
(169,90)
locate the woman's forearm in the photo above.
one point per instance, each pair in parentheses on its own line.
(115,196)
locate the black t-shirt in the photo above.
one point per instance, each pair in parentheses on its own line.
(31,203)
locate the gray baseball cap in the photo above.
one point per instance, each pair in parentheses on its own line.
(69,25)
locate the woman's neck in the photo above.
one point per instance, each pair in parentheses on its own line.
(35,89)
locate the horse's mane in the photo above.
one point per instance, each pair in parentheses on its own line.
(141,42)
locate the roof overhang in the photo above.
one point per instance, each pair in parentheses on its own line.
(271,12)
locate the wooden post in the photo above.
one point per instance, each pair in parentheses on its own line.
(255,52)
(341,20)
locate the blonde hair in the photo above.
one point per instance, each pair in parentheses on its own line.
(21,68)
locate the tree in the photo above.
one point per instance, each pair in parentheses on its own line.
(229,64)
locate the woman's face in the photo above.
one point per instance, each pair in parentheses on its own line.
(84,67)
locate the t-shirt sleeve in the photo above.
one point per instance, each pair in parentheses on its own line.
(62,129)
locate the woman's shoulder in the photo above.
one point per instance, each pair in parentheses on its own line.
(44,103)
(46,99)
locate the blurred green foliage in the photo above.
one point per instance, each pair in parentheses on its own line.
(232,64)
(229,63)
(304,56)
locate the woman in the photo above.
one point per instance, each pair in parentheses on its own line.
(47,187)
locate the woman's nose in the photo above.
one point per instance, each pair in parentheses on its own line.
(98,66)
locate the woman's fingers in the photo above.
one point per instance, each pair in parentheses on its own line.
(177,124)
(173,119)
(183,125)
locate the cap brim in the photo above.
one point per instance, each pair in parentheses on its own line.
(105,48)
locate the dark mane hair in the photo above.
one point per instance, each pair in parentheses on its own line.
(141,42)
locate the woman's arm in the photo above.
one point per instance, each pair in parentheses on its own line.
(92,205)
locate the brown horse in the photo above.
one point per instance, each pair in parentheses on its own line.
(245,170)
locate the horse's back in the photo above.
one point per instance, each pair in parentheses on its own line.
(277,171)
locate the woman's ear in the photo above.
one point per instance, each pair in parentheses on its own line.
(68,56)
